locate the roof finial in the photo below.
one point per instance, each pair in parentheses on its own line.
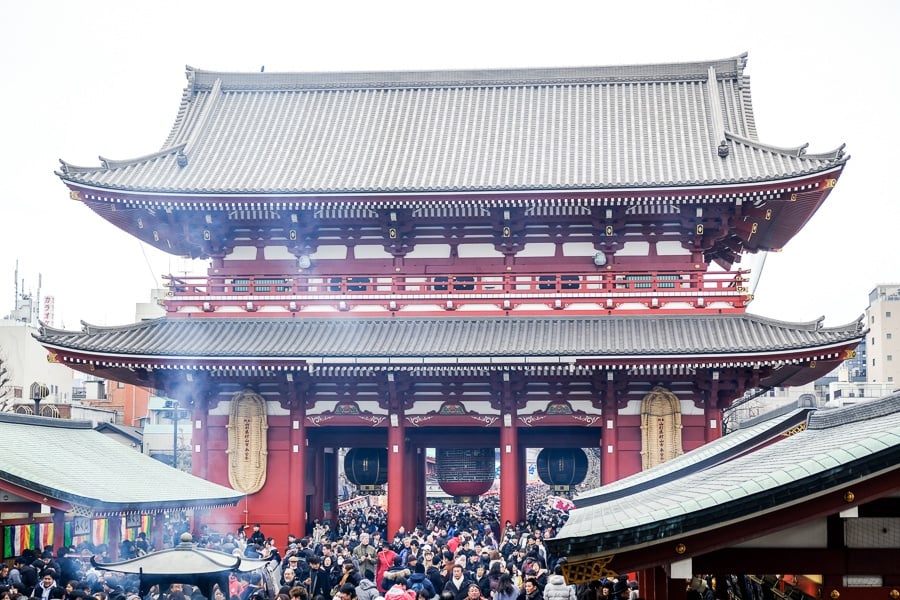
(262,69)
(723,149)
(181,159)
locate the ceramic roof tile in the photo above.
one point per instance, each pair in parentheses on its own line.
(89,469)
(718,450)
(404,132)
(474,338)
(837,446)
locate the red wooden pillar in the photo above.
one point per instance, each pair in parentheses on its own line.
(200,441)
(157,531)
(330,483)
(59,528)
(667,587)
(421,486)
(317,506)
(397,509)
(410,489)
(711,412)
(609,468)
(510,492)
(523,484)
(114,536)
(296,492)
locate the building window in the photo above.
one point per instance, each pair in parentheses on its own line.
(873,362)
(873,340)
(887,313)
(890,357)
(889,335)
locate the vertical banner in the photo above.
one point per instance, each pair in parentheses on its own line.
(18,538)
(100,531)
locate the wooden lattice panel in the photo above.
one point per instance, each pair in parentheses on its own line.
(585,571)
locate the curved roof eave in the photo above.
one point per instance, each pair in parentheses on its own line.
(837,155)
(462,190)
(109,164)
(354,339)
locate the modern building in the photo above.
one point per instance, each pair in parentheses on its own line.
(883,339)
(464,261)
(28,374)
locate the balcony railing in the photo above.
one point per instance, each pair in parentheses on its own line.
(584,292)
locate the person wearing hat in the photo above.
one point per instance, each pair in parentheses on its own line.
(386,556)
(300,566)
(620,589)
(257,537)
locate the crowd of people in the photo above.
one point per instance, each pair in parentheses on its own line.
(460,552)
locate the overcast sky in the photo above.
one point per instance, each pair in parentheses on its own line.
(95,78)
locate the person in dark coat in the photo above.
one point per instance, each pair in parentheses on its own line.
(458,584)
(317,580)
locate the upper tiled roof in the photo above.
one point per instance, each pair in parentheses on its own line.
(449,339)
(460,131)
(837,447)
(71,462)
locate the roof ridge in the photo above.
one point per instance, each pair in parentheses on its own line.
(827,418)
(200,79)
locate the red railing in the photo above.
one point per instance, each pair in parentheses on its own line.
(668,290)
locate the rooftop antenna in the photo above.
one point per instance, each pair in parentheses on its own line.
(36,306)
(16,288)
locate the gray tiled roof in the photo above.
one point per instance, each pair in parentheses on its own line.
(744,336)
(70,461)
(837,447)
(714,452)
(460,131)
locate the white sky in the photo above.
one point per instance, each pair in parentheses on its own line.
(90,78)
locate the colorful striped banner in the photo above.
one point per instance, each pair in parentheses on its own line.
(17,538)
(100,531)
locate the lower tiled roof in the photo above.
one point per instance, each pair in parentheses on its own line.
(72,463)
(742,336)
(838,447)
(717,451)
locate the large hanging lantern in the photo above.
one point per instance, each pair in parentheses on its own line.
(465,473)
(562,468)
(366,468)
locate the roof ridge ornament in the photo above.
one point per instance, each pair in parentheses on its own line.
(715,112)
(723,149)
